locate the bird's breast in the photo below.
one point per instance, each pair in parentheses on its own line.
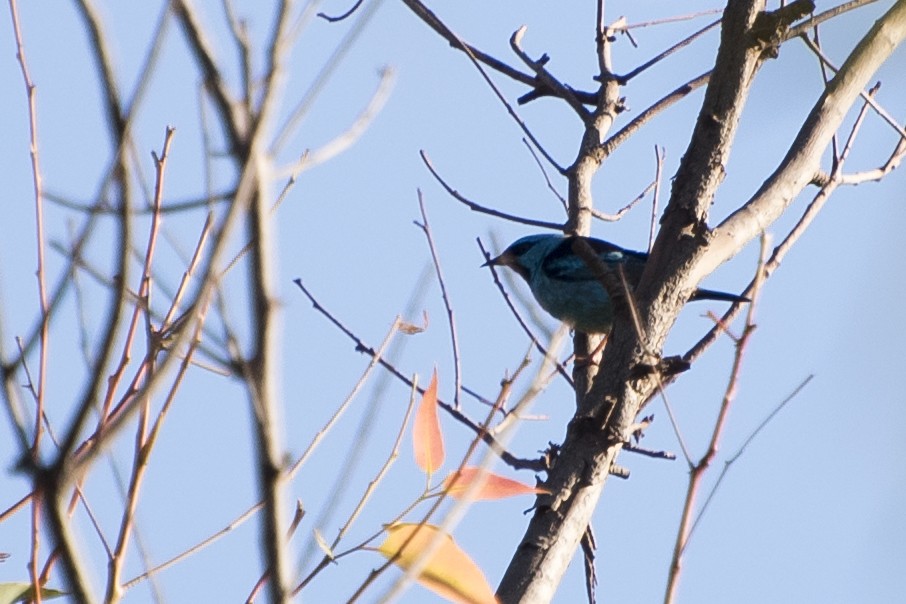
(584,305)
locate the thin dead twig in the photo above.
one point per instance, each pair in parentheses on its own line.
(482,209)
(451,320)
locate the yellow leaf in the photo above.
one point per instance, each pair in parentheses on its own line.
(427,439)
(493,486)
(449,572)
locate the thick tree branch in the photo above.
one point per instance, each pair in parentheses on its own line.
(802,161)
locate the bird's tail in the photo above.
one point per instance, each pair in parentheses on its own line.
(710,294)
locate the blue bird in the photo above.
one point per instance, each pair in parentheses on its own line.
(568,289)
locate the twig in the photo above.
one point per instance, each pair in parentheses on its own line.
(144,446)
(31,98)
(813,22)
(360,383)
(698,470)
(547,179)
(546,78)
(732,459)
(430,19)
(215,83)
(448,33)
(665,20)
(624,133)
(288,126)
(869,98)
(451,320)
(660,57)
(198,547)
(239,31)
(659,155)
(482,209)
(342,16)
(622,211)
(452,517)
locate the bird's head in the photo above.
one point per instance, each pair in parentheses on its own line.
(526,255)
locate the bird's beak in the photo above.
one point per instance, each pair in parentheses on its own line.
(501,260)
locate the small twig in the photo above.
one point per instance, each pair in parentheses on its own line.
(665,20)
(430,19)
(622,211)
(736,455)
(239,31)
(589,546)
(807,25)
(500,96)
(44,338)
(215,83)
(826,78)
(195,548)
(623,79)
(172,207)
(659,156)
(451,321)
(542,378)
(545,78)
(622,135)
(628,446)
(286,129)
(699,469)
(342,16)
(144,445)
(547,179)
(30,386)
(864,94)
(674,424)
(482,209)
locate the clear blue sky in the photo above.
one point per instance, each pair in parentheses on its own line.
(811,513)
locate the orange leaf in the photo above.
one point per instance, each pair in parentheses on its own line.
(493,486)
(449,572)
(427,439)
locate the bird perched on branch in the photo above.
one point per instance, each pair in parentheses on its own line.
(567,287)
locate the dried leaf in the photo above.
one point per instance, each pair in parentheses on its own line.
(411,328)
(450,572)
(427,439)
(493,486)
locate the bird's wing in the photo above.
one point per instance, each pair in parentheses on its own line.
(563,264)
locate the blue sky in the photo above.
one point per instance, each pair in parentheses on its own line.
(811,512)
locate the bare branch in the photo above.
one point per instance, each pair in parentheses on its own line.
(547,80)
(484,210)
(451,321)
(675,48)
(801,163)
